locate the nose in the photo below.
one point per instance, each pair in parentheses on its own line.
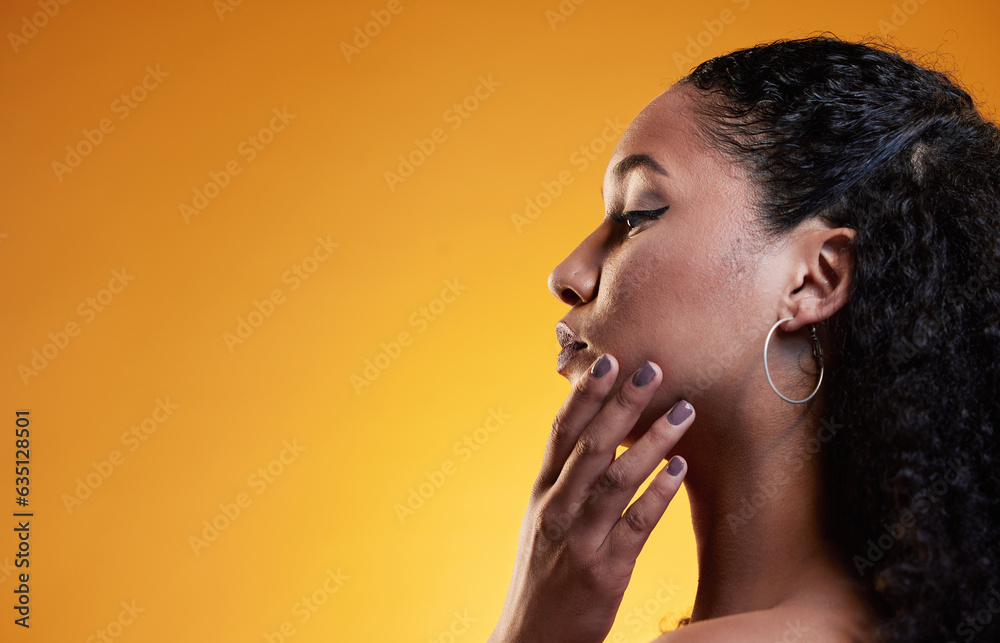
(576,278)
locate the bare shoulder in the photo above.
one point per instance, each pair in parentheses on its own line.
(791,623)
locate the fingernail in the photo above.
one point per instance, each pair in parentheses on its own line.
(601,367)
(679,413)
(644,375)
(676,465)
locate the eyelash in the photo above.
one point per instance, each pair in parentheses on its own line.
(626,217)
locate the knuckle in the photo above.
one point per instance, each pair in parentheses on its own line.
(614,480)
(559,427)
(539,488)
(636,520)
(587,445)
(662,490)
(590,389)
(659,491)
(661,433)
(624,398)
(592,575)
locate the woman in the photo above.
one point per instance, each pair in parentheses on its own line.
(795,291)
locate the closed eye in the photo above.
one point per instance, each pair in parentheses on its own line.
(632,217)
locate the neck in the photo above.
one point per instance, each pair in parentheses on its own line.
(756,503)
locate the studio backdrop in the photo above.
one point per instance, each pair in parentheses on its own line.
(278,356)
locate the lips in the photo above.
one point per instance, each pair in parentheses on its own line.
(571,345)
(567,337)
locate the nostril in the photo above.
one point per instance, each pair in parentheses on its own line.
(569,297)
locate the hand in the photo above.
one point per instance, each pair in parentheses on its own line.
(576,549)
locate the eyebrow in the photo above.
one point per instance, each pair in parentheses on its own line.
(631,162)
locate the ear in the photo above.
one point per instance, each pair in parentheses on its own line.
(822,277)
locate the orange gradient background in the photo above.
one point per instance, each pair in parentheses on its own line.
(549,77)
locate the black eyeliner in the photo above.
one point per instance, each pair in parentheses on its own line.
(642,214)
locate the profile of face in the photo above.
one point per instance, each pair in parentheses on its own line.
(687,280)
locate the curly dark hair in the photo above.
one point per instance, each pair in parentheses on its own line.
(858,135)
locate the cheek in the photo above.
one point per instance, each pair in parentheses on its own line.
(643,277)
(681,309)
(641,308)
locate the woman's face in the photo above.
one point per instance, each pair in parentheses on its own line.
(682,290)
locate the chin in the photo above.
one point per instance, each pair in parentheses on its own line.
(576,369)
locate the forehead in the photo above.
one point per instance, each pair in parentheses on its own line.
(667,132)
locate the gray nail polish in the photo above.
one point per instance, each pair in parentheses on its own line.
(679,413)
(601,367)
(644,375)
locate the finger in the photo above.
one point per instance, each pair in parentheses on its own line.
(595,448)
(615,488)
(632,530)
(579,408)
